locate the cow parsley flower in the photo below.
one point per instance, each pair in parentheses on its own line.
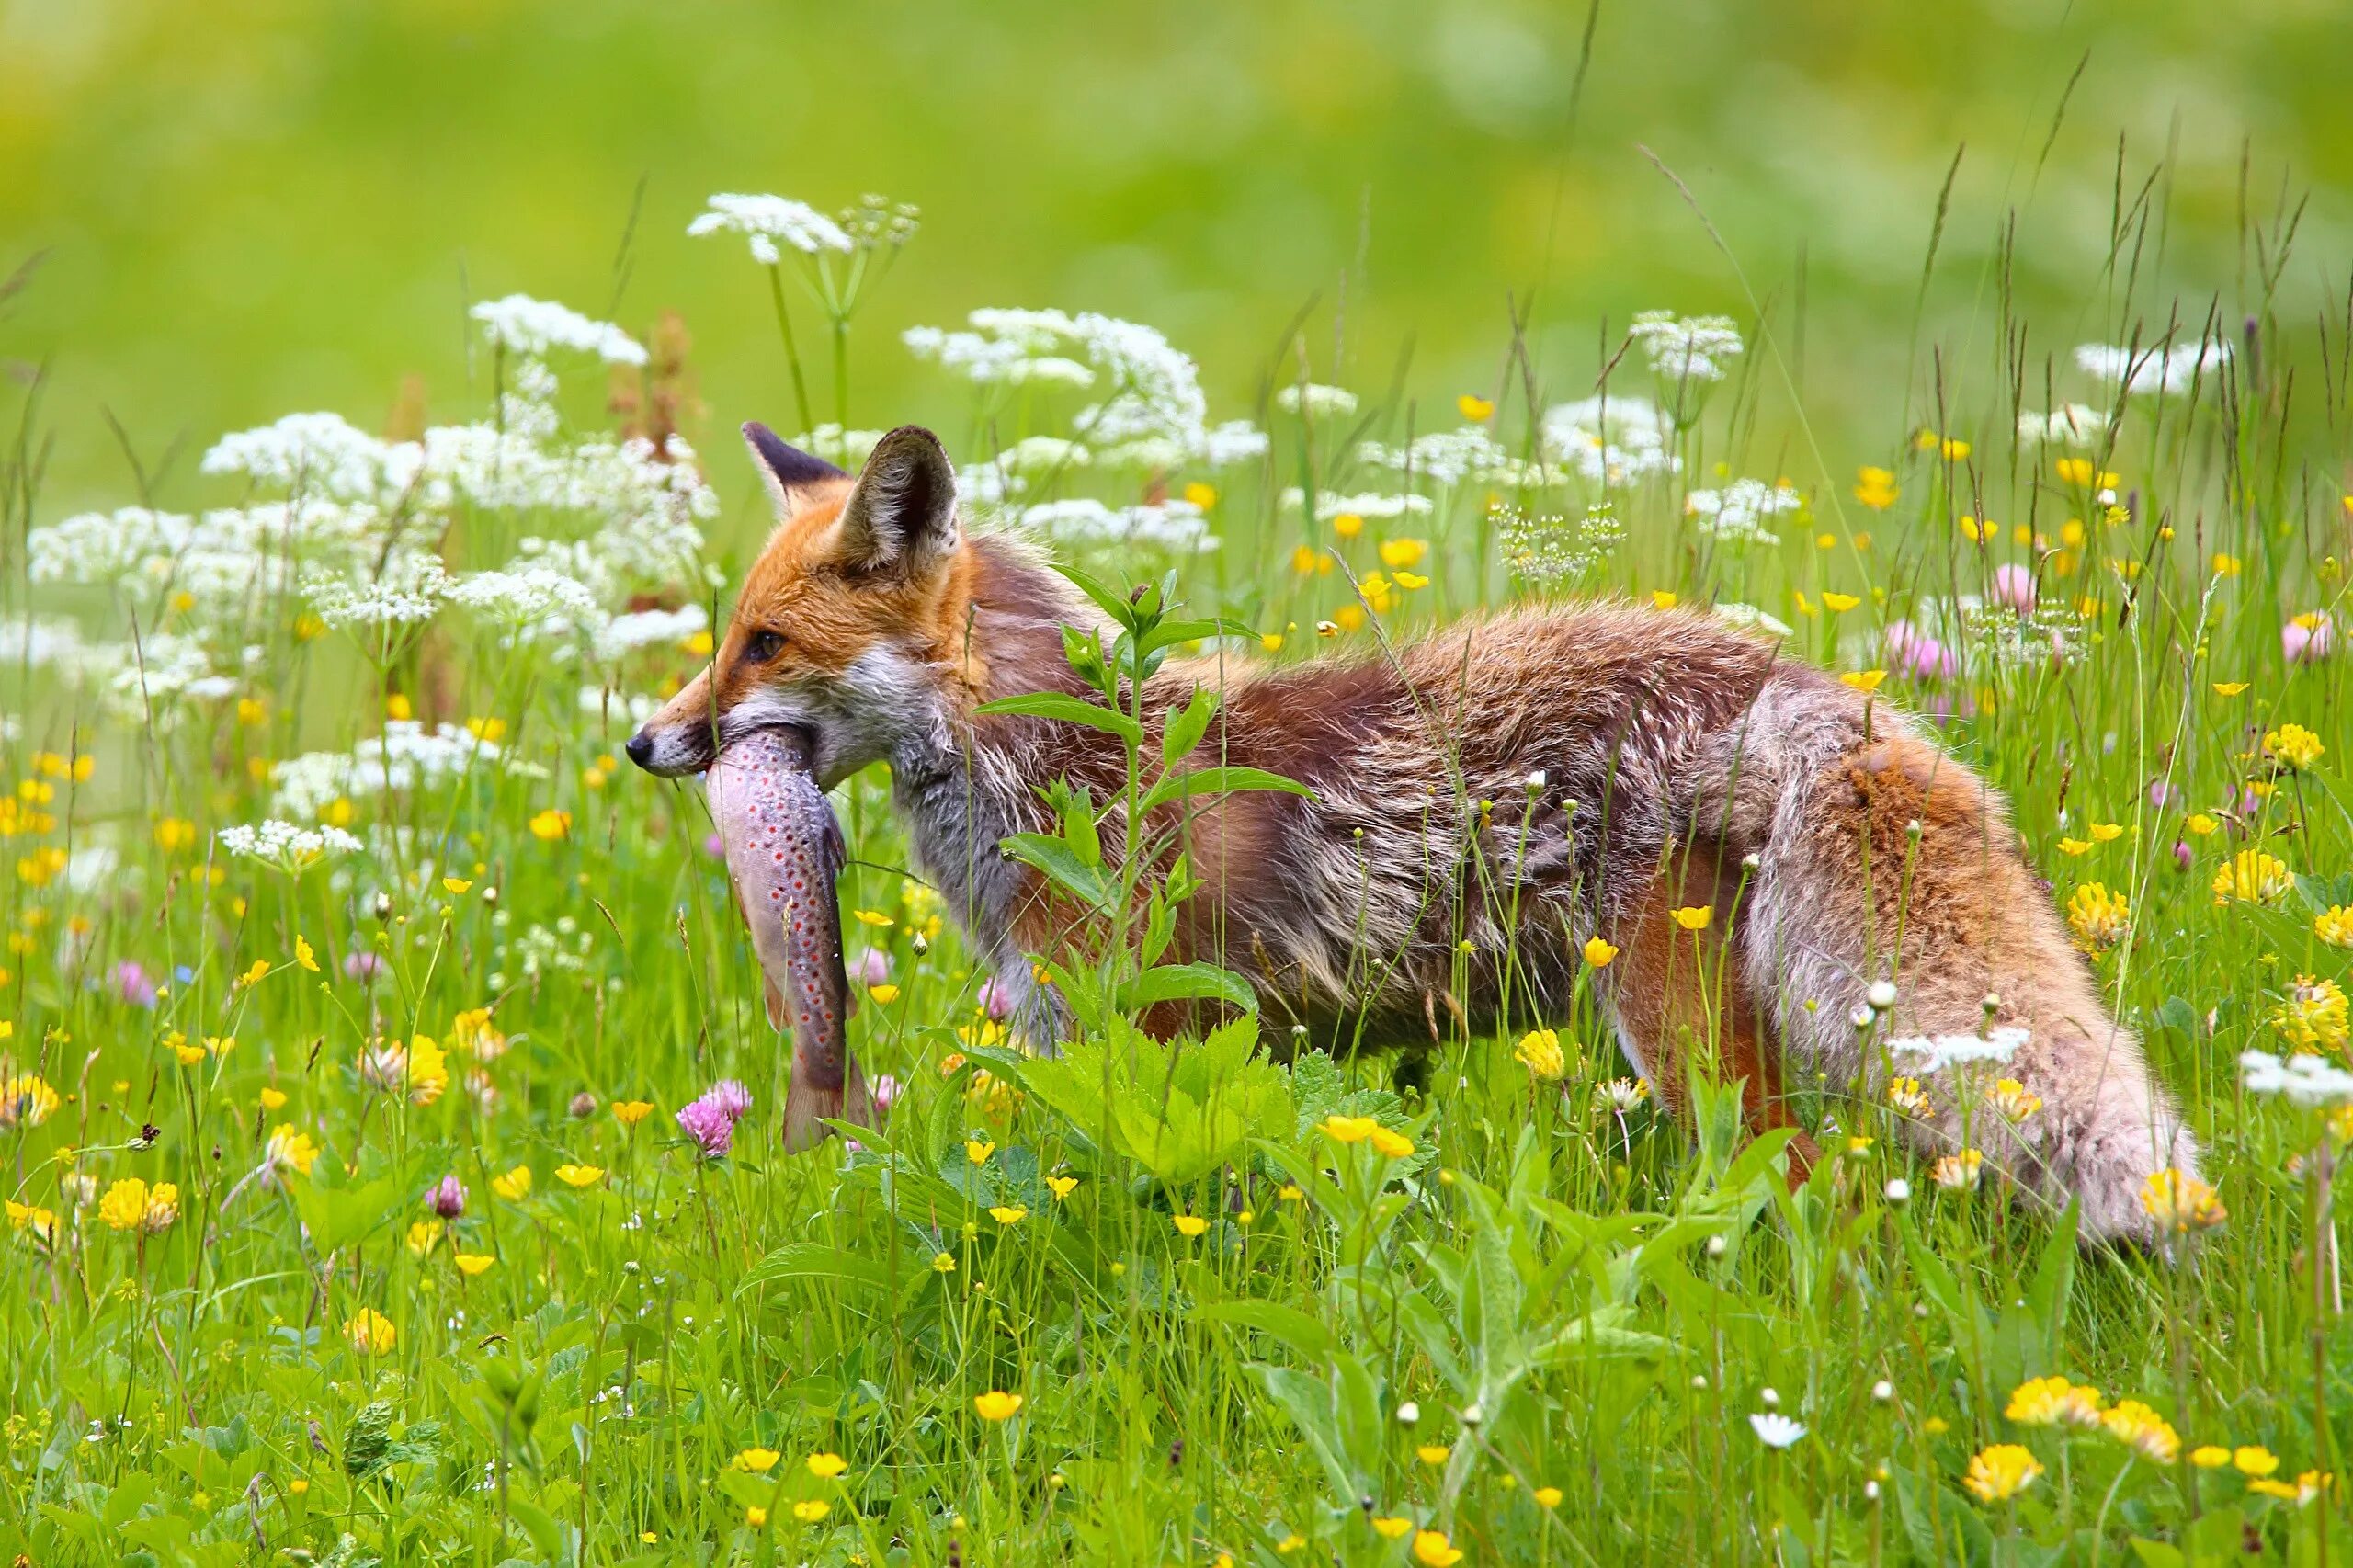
(1735,516)
(1686,348)
(2304,1081)
(2151,369)
(1939,1053)
(765,220)
(534,328)
(1609,441)
(317,453)
(397,598)
(2070,424)
(1316,401)
(285,844)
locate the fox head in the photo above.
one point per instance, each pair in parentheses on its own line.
(851,623)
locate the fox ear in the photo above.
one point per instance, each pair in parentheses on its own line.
(787,471)
(901,515)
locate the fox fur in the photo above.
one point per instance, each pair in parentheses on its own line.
(1521,781)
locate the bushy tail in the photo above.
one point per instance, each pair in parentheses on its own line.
(1882,858)
(807,1108)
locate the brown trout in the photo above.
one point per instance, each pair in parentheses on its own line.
(784,853)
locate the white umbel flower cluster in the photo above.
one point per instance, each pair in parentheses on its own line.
(769,221)
(1371,508)
(2071,425)
(1936,1054)
(2151,369)
(1686,348)
(407,757)
(1177,527)
(2306,1081)
(1609,441)
(409,594)
(535,328)
(1449,458)
(1737,515)
(286,846)
(1316,401)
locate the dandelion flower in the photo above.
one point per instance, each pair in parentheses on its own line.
(2000,1472)
(996,1405)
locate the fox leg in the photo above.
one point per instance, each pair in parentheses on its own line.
(1677,994)
(1883,858)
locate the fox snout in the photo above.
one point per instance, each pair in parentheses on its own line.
(671,751)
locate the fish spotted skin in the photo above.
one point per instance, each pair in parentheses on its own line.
(784,855)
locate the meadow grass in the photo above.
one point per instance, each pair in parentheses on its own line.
(354,989)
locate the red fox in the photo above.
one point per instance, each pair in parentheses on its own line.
(1521,782)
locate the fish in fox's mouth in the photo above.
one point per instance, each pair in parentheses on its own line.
(784,855)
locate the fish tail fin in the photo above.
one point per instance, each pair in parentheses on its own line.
(807,1108)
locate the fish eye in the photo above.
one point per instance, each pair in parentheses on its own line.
(763,645)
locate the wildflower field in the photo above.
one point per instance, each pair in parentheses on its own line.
(392,1122)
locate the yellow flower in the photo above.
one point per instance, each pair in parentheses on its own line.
(2055,1401)
(1201,495)
(188,1055)
(2313,1014)
(1662,598)
(2229,688)
(1432,1549)
(1348,525)
(1392,1528)
(1348,1129)
(422,1234)
(2295,747)
(1392,1145)
(1008,1213)
(1402,554)
(2226,565)
(996,1405)
(175,834)
(515,1185)
(2000,1472)
(1959,1172)
(2210,1456)
(473,1263)
(943,1263)
(1954,449)
(371,1332)
(579,1176)
(628,1113)
(1694,918)
(290,1148)
(2098,919)
(2015,1100)
(826,1466)
(2074,846)
(1547,1496)
(2253,875)
(874,917)
(1540,1051)
(2255,1460)
(2107,832)
(2334,926)
(304,955)
(2201,824)
(1476,409)
(1061,1187)
(486,729)
(1433,1454)
(1598,953)
(256,974)
(456,884)
(1875,488)
(978,1150)
(884,994)
(1838,603)
(753,1515)
(2143,1431)
(1190,1225)
(812,1510)
(42,1223)
(1906,1096)
(550,824)
(1864,680)
(756,1461)
(124,1205)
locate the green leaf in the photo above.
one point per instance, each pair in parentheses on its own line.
(1110,602)
(815,1260)
(1053,858)
(1300,1333)
(1186,981)
(1187,725)
(1222,780)
(1069,710)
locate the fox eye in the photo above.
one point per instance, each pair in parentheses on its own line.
(762,646)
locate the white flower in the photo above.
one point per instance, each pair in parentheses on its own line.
(1899,1191)
(531,328)
(1449,458)
(1686,348)
(1155,391)
(1735,516)
(2302,1080)
(1938,1054)
(321,453)
(1173,524)
(407,756)
(624,635)
(1608,441)
(1319,402)
(399,597)
(2071,425)
(1373,508)
(1749,618)
(1776,1430)
(527,600)
(2149,369)
(1043,454)
(286,846)
(765,219)
(1882,994)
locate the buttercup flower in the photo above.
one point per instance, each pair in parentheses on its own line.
(996,1405)
(1540,1051)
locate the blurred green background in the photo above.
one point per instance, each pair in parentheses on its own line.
(252,207)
